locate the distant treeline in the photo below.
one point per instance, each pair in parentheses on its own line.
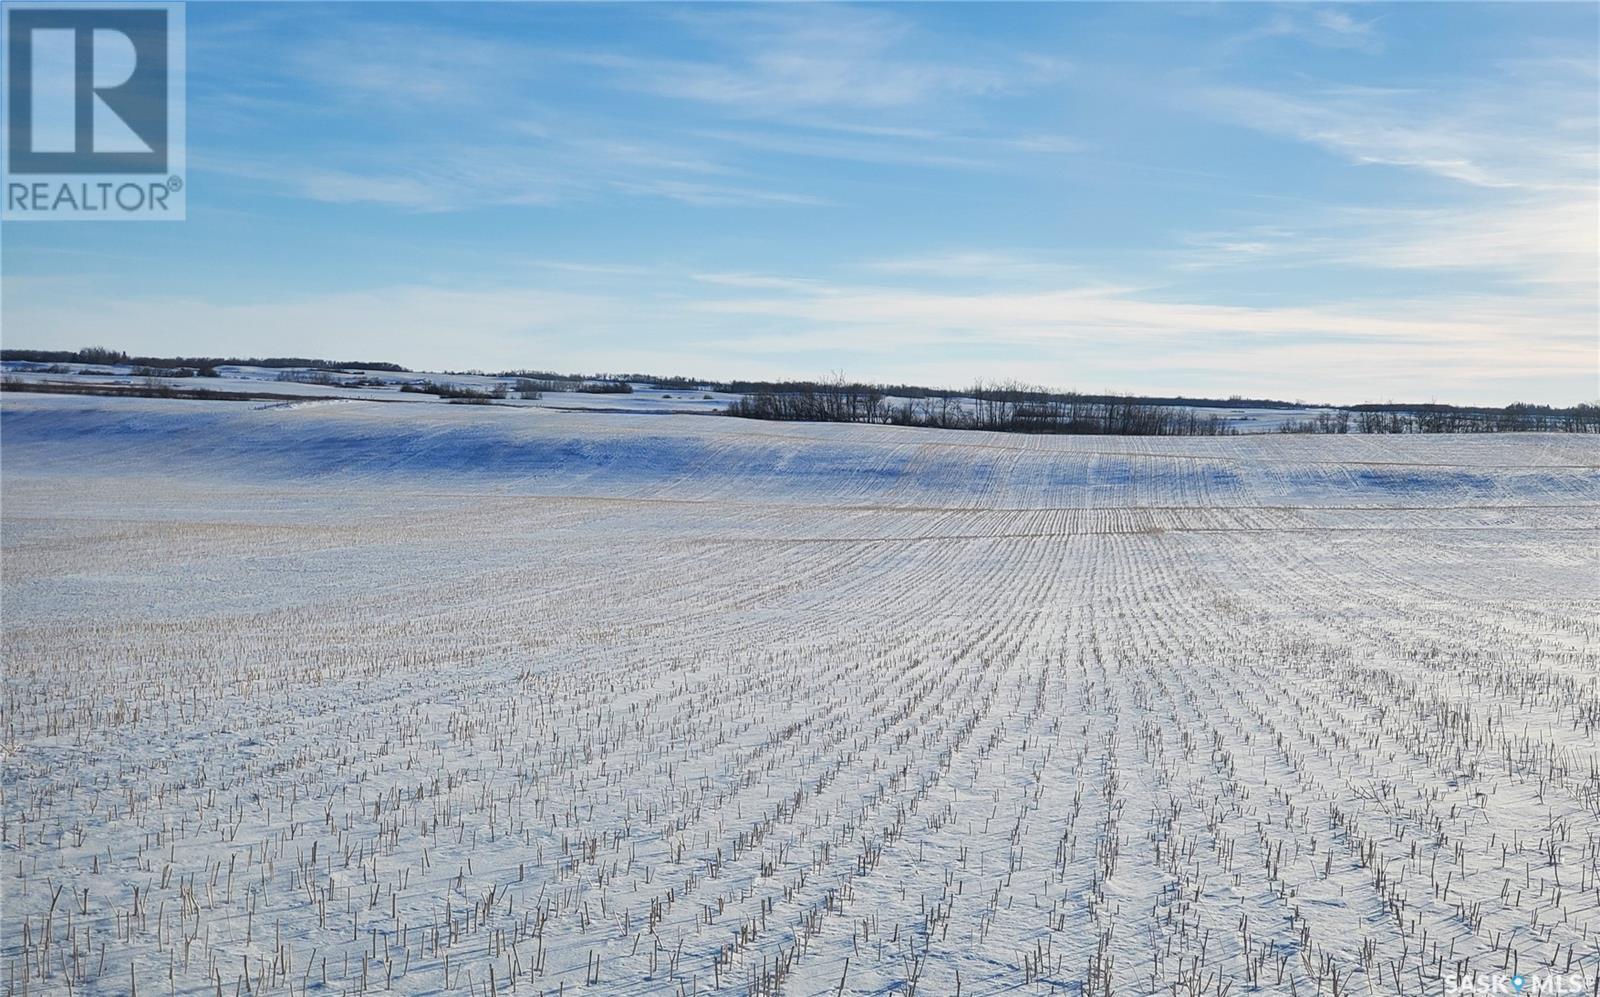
(102,356)
(1436,418)
(922,392)
(539,382)
(1018,408)
(1007,408)
(158,390)
(601,383)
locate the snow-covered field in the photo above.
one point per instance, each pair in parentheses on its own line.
(372,385)
(379,385)
(345,697)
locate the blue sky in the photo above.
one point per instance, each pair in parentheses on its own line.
(1329,202)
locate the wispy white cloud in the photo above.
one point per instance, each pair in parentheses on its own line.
(1494,133)
(714,194)
(1350,124)
(436,177)
(1340,24)
(1538,241)
(1326,27)
(985,266)
(941,153)
(1504,166)
(778,60)
(763,282)
(408,182)
(1552,241)
(442,119)
(919,149)
(375,65)
(1095,312)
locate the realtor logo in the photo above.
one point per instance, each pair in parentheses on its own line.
(94,110)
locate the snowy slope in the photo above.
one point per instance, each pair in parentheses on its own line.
(541,452)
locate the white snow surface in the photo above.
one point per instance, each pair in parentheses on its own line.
(347,697)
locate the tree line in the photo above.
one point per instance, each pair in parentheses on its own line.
(918,391)
(104,356)
(1518,417)
(1011,407)
(1006,407)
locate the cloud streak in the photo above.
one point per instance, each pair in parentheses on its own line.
(779,60)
